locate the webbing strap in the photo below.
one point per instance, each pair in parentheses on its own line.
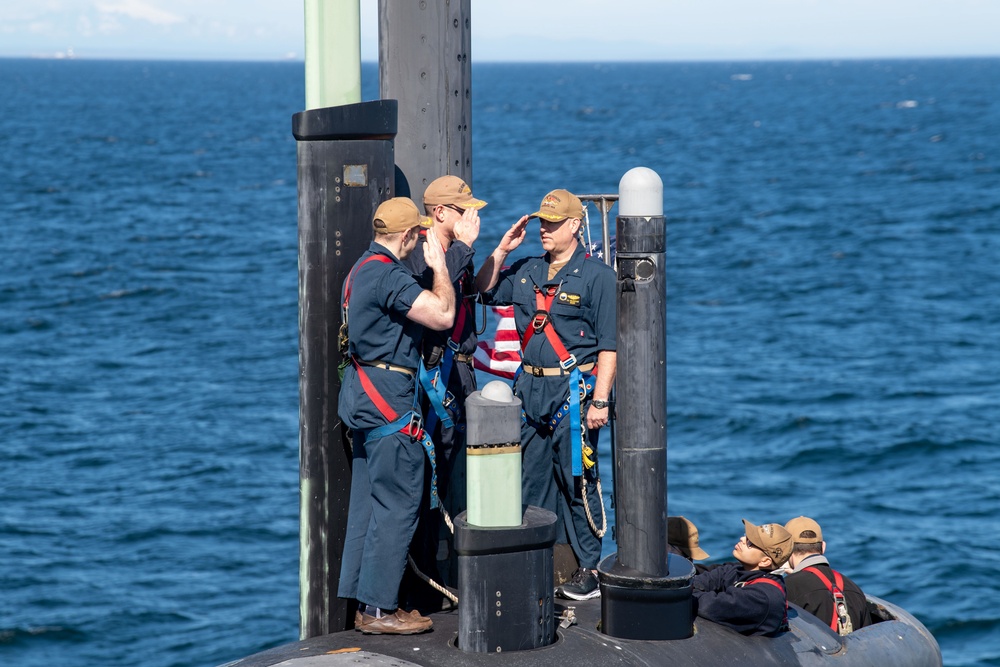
(834,590)
(588,379)
(576,452)
(571,407)
(543,322)
(436,384)
(436,388)
(350,277)
(766,580)
(409,424)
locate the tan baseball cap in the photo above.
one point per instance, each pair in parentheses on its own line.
(684,535)
(772,539)
(802,524)
(559,205)
(451,190)
(397,215)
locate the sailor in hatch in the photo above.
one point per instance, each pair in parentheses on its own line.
(816,587)
(386,311)
(746,596)
(565,316)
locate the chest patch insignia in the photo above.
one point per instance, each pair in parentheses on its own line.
(569,299)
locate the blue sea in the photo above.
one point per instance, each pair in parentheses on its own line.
(833,327)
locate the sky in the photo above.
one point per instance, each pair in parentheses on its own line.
(518,30)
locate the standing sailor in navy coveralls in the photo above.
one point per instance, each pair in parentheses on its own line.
(565,314)
(387,313)
(447,354)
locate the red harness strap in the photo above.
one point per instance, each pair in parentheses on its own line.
(413,428)
(836,589)
(543,322)
(350,278)
(456,331)
(780,587)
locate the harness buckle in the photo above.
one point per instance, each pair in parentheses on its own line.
(432,356)
(449,398)
(453,345)
(540,320)
(416,426)
(569,363)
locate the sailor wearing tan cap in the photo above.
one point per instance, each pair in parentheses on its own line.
(816,587)
(565,313)
(745,595)
(386,312)
(448,354)
(682,539)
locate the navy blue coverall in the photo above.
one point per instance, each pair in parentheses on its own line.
(449,442)
(387,479)
(584,316)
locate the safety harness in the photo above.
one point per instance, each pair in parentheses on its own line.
(841,619)
(779,586)
(434,379)
(581,385)
(579,388)
(410,422)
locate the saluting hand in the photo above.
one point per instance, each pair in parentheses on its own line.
(513,236)
(467,229)
(433,253)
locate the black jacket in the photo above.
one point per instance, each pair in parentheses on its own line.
(728,596)
(806,590)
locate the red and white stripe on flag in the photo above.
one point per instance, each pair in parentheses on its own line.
(502,355)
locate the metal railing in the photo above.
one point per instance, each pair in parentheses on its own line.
(603,203)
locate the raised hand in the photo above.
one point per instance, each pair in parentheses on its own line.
(513,236)
(467,229)
(433,253)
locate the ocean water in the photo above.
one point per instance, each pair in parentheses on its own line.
(833,348)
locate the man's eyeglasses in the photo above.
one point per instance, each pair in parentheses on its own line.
(457,209)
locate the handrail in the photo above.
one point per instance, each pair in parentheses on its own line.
(603,204)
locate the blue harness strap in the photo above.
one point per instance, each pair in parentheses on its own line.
(574,421)
(435,384)
(409,423)
(570,407)
(542,322)
(424,439)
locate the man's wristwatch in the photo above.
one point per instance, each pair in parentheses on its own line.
(600,405)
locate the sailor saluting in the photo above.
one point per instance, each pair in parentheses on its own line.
(565,315)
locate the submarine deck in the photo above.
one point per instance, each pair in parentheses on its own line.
(901,641)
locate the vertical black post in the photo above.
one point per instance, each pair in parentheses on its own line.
(641,447)
(425,63)
(645,593)
(345,169)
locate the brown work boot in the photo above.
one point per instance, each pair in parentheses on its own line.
(398,623)
(361,619)
(415,615)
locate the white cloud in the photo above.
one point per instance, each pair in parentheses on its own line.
(138,10)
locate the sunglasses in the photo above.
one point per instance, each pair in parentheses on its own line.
(752,545)
(457,209)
